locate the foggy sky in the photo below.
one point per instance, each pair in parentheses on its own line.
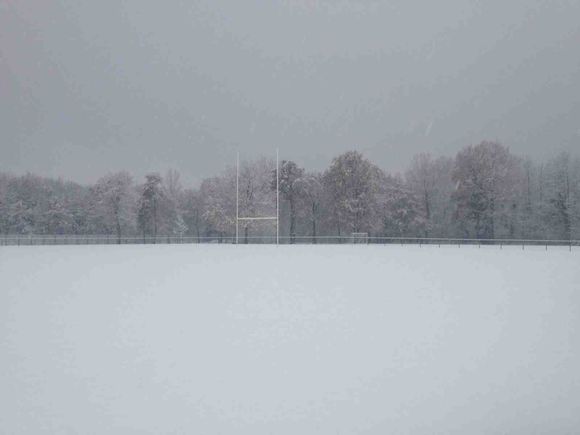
(90,87)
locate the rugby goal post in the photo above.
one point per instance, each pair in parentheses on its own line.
(258,218)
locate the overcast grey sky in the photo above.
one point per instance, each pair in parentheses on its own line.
(88,87)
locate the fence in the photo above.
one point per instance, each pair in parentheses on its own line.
(33,240)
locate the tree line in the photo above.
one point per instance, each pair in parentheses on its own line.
(484,192)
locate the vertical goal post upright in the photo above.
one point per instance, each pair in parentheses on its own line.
(258,218)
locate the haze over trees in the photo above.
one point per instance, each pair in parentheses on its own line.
(484,192)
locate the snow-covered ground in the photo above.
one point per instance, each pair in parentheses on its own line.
(289,340)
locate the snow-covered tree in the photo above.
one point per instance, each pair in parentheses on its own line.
(310,193)
(172,183)
(35,205)
(485,192)
(290,173)
(256,196)
(21,219)
(430,182)
(192,209)
(561,196)
(174,189)
(218,196)
(351,185)
(401,213)
(114,204)
(527,215)
(56,218)
(4,203)
(156,210)
(486,179)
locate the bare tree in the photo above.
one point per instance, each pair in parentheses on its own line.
(430,181)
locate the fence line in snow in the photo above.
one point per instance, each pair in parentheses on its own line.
(33,240)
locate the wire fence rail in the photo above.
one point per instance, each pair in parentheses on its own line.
(359,238)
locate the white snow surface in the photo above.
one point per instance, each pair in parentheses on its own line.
(289,340)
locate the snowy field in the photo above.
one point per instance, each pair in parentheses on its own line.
(291,340)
